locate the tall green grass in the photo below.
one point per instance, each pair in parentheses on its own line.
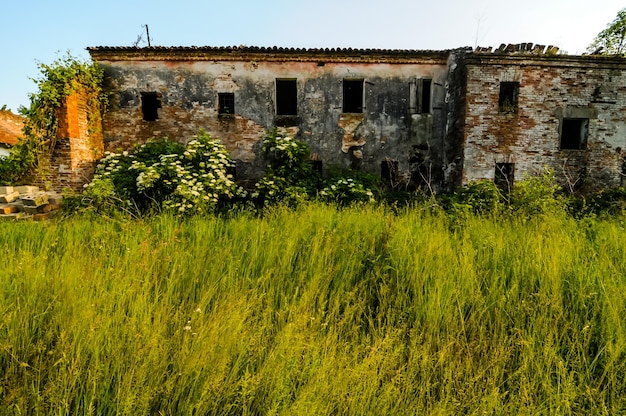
(316,311)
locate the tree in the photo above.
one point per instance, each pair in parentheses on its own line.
(58,80)
(612,40)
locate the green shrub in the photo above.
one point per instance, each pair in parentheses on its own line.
(272,189)
(345,191)
(166,175)
(290,177)
(17,163)
(536,195)
(604,202)
(482,197)
(287,156)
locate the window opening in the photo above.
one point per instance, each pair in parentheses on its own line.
(317,166)
(352,96)
(389,171)
(226,103)
(150,103)
(286,97)
(503,177)
(420,91)
(507,101)
(425,96)
(574,133)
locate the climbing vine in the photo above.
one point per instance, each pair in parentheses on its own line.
(63,77)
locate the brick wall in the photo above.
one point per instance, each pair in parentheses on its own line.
(550,89)
(77,147)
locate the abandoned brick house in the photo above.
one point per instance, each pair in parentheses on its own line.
(441,118)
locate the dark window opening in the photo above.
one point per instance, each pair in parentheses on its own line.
(389,171)
(352,96)
(420,92)
(503,177)
(286,121)
(226,103)
(286,97)
(425,97)
(150,103)
(507,101)
(574,133)
(317,166)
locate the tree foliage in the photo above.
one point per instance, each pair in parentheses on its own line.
(57,80)
(612,40)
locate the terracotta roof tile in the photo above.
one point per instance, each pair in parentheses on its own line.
(10,127)
(274,53)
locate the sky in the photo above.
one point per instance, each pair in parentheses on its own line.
(41,31)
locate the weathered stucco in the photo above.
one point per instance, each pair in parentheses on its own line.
(438,118)
(188,85)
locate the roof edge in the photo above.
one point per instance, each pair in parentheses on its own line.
(108,53)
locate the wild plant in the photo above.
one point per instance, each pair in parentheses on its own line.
(161,173)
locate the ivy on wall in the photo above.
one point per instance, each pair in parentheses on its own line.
(58,80)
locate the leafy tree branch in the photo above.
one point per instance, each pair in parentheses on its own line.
(58,80)
(612,40)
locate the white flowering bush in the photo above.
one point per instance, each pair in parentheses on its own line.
(272,189)
(186,179)
(286,154)
(111,184)
(290,176)
(345,191)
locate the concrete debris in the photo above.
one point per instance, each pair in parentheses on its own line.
(28,203)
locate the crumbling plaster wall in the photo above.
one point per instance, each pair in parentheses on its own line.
(550,88)
(188,93)
(453,139)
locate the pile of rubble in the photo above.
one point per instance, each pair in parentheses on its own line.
(28,202)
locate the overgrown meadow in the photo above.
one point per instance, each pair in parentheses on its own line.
(317,310)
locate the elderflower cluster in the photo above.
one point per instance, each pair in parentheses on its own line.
(346,190)
(191,179)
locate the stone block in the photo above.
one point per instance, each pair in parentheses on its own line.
(54,207)
(55,199)
(34,200)
(6,190)
(45,216)
(6,209)
(9,197)
(31,210)
(16,216)
(44,208)
(27,189)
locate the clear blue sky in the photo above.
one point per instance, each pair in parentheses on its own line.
(42,30)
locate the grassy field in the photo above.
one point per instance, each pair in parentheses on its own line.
(317,311)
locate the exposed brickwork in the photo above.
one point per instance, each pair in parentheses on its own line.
(77,148)
(549,90)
